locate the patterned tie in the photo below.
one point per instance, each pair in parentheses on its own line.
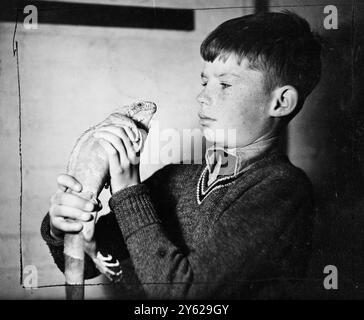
(220,163)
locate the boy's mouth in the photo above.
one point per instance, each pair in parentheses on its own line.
(204,120)
(203,117)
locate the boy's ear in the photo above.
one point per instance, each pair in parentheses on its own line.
(284,101)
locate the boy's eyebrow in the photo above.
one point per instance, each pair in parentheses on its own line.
(227,74)
(203,75)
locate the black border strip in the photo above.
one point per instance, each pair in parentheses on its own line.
(70,13)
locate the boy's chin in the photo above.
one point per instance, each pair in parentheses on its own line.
(219,137)
(209,134)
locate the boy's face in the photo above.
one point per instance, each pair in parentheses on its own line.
(233,98)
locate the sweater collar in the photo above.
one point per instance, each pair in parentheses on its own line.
(230,161)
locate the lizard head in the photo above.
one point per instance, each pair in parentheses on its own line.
(141,112)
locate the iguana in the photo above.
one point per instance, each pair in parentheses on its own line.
(88,163)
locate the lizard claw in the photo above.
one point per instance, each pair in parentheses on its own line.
(102,258)
(108,258)
(104,266)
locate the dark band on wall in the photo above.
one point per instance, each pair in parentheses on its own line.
(84,14)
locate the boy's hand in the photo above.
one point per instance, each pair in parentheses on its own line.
(120,145)
(66,208)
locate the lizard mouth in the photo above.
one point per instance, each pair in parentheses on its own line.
(140,125)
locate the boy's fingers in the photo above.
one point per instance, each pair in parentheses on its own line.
(130,134)
(71,213)
(134,153)
(112,138)
(72,200)
(115,149)
(66,181)
(114,161)
(67,226)
(124,144)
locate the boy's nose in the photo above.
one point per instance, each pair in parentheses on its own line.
(203,98)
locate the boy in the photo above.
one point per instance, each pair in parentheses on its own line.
(213,231)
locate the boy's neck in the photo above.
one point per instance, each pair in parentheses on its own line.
(230,161)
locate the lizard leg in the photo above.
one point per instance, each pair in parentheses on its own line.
(102,263)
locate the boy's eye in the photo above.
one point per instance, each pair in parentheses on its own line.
(204,84)
(225,85)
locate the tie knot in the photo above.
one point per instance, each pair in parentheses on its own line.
(220,162)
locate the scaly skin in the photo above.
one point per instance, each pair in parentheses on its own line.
(88,163)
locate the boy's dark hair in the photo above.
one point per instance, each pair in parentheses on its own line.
(281,45)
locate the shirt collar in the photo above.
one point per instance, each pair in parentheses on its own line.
(233,160)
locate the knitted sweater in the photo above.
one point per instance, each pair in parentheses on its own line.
(247,238)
